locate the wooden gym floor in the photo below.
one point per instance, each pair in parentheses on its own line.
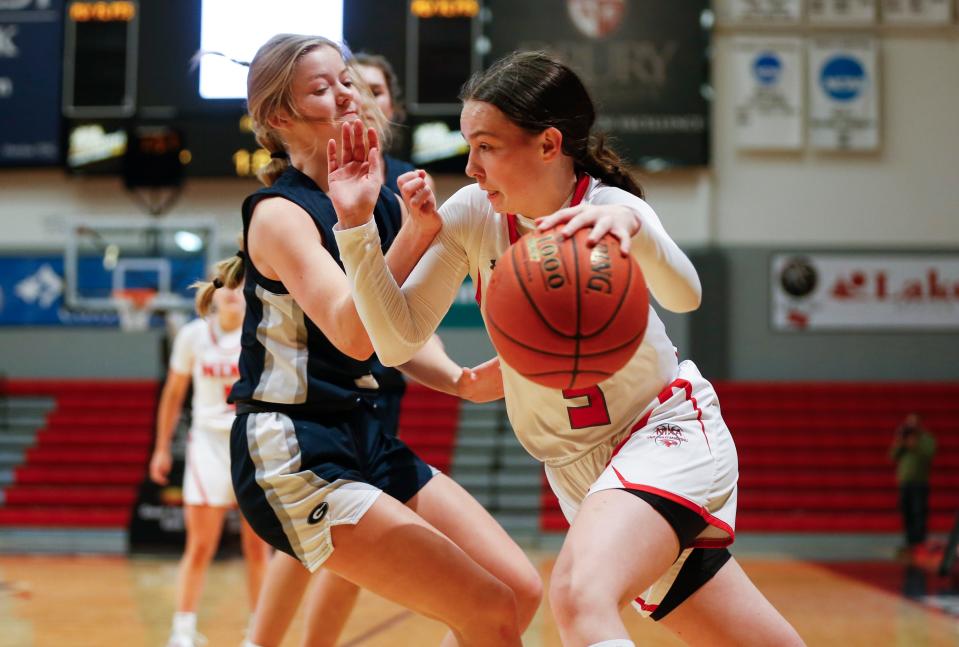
(55,601)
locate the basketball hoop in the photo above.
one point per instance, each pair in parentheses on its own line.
(133,306)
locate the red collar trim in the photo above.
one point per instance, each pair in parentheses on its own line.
(582,184)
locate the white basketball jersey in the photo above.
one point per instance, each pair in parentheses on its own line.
(210,356)
(555,426)
(558,426)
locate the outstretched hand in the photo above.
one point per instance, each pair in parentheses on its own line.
(356,175)
(620,221)
(420,200)
(482,383)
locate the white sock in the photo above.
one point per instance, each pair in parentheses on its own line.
(184,623)
(618,642)
(247,643)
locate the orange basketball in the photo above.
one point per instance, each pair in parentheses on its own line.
(565,315)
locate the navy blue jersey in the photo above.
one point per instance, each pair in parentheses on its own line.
(286,363)
(394,169)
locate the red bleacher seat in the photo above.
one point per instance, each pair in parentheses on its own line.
(87,462)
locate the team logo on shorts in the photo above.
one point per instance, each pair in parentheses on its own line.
(318,513)
(668,435)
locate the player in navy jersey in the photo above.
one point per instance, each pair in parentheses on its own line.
(330,598)
(314,470)
(649,520)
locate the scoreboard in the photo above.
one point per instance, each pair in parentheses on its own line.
(100,57)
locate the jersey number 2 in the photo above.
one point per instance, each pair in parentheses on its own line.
(592,414)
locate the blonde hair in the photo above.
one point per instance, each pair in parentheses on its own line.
(370,111)
(227,273)
(269,89)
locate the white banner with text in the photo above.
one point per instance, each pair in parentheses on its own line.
(863,292)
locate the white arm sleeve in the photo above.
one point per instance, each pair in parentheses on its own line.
(669,273)
(399,321)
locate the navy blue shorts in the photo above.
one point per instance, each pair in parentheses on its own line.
(295,478)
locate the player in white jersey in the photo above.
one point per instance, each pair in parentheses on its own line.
(642,463)
(205,353)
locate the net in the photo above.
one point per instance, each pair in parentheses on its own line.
(133,306)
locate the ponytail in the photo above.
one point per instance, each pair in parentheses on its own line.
(603,163)
(227,273)
(279,160)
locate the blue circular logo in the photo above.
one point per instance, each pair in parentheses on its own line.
(768,68)
(843,78)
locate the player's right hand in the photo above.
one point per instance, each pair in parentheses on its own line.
(419,199)
(160,465)
(355,173)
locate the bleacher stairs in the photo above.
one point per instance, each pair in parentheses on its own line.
(73,456)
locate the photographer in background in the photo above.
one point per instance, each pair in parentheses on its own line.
(912,450)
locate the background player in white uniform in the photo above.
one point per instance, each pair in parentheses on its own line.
(642,463)
(205,351)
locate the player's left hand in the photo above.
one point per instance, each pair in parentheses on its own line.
(482,383)
(420,200)
(355,173)
(618,220)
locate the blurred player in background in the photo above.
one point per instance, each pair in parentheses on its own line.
(205,351)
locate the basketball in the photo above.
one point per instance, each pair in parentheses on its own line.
(565,315)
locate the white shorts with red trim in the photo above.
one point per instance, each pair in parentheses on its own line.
(679,449)
(206,476)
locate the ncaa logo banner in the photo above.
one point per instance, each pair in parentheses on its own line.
(916,12)
(778,11)
(842,12)
(769,103)
(844,94)
(852,292)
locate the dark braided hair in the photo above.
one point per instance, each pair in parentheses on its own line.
(536,91)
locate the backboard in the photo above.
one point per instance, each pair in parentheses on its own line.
(104,256)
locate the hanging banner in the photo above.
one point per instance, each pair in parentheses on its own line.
(769,98)
(645,63)
(844,94)
(864,292)
(917,12)
(842,12)
(30,66)
(779,11)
